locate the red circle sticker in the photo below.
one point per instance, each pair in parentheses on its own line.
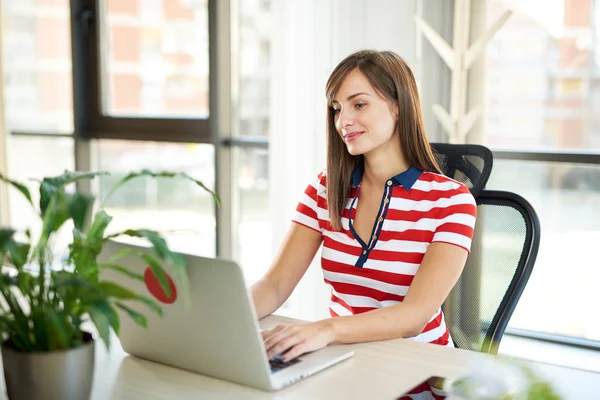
(156,290)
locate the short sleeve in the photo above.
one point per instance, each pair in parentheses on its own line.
(456,220)
(307,211)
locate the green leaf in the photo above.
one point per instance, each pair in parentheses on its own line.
(55,214)
(17,251)
(139,319)
(70,279)
(19,331)
(59,339)
(20,254)
(25,282)
(42,336)
(123,270)
(83,255)
(84,251)
(159,244)
(52,185)
(79,207)
(121,253)
(7,280)
(47,192)
(6,235)
(162,174)
(175,260)
(104,317)
(158,272)
(19,186)
(102,324)
(69,284)
(157,241)
(111,289)
(63,206)
(101,221)
(68,177)
(19,341)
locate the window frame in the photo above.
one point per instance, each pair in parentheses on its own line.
(218,129)
(91,123)
(476,87)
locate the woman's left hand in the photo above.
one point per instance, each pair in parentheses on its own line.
(293,340)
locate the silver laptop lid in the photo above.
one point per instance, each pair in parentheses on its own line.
(217,335)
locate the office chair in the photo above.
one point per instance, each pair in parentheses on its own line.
(470,164)
(503,252)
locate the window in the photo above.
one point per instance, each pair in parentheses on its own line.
(177,208)
(253,236)
(545,109)
(155,59)
(37,76)
(36,42)
(544,78)
(144,69)
(252,231)
(34,157)
(138,78)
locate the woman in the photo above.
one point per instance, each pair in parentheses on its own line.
(395,231)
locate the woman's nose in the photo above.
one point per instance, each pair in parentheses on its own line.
(345,119)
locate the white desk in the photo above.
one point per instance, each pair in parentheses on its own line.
(379,370)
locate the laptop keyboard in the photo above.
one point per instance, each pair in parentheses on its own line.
(278,365)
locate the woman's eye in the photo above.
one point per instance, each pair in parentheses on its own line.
(360,105)
(336,110)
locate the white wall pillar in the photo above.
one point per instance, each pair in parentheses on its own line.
(432,72)
(297,141)
(309,39)
(476,92)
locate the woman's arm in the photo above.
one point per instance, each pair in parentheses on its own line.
(438,273)
(295,255)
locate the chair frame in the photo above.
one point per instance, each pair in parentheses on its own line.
(450,151)
(521,276)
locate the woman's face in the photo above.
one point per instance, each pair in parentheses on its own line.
(364,120)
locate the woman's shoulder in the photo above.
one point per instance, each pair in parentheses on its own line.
(434,181)
(320,182)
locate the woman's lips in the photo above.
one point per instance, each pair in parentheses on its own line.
(349,137)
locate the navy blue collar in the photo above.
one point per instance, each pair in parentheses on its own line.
(405,179)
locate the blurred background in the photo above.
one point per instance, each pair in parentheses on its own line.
(232,92)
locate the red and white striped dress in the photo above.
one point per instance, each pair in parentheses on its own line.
(417,209)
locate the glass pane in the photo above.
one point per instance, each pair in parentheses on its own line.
(562,293)
(36,157)
(253,236)
(254,67)
(36,41)
(179,209)
(155,58)
(543,69)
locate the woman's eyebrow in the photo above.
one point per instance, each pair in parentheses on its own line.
(351,96)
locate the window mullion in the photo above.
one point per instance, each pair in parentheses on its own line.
(222,87)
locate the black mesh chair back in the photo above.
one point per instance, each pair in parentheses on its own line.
(503,252)
(470,164)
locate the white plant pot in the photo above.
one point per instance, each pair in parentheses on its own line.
(60,375)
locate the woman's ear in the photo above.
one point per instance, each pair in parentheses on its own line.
(395,109)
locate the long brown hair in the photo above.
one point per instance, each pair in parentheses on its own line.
(391,77)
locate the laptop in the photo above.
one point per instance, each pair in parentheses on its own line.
(216,333)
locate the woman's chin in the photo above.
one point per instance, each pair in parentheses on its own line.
(354,150)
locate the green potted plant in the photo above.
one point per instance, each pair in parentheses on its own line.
(45,308)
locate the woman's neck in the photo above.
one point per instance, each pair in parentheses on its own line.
(383,163)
